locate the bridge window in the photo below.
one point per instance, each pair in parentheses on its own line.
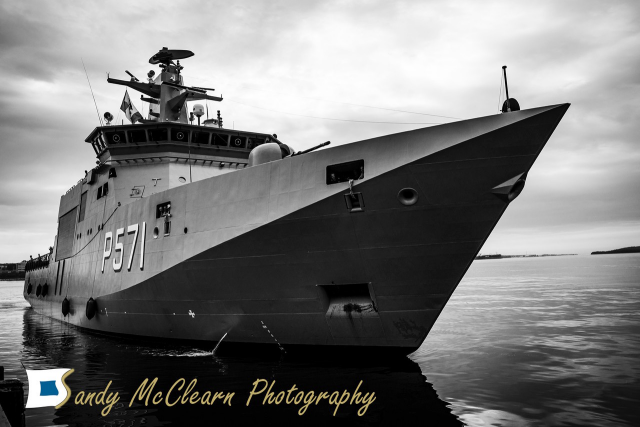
(137,136)
(159,134)
(219,139)
(201,137)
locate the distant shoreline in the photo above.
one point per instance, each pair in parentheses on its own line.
(628,250)
(500,256)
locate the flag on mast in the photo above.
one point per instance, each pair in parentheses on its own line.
(129,110)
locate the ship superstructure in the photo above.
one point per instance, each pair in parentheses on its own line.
(201,232)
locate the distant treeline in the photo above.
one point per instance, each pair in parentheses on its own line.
(629,250)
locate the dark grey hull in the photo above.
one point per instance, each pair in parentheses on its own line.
(276,282)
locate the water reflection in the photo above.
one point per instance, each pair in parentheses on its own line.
(402,395)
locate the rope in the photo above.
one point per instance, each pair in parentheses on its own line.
(95,272)
(347,103)
(335,119)
(96,235)
(387,109)
(94,98)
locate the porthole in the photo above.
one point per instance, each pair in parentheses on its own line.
(182,179)
(408,196)
(185,230)
(155,233)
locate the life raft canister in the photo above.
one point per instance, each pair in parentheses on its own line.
(92,308)
(66,307)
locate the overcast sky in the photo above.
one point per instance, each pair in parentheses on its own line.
(275,62)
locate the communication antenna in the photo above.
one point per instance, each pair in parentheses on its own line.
(510,104)
(94,98)
(506,88)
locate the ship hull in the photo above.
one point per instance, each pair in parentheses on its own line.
(304,273)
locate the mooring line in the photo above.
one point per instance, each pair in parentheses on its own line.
(274,338)
(216,347)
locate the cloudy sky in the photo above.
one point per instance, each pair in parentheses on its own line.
(278,62)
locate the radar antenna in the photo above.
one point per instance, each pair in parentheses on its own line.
(166,56)
(167,91)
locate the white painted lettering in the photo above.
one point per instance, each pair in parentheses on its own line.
(144,236)
(108,237)
(117,264)
(131,229)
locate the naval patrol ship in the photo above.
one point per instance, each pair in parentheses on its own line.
(200,232)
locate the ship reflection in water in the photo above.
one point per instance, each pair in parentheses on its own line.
(523,342)
(402,394)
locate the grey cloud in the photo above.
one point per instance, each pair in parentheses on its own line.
(435,57)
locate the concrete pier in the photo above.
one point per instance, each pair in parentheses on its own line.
(11,402)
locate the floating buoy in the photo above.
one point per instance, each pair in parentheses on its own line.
(66,307)
(92,308)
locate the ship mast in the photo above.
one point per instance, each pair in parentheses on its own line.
(167,93)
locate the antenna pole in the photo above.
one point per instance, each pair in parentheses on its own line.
(94,98)
(506,88)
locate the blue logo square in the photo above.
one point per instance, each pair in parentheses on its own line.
(48,388)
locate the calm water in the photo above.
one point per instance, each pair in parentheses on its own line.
(523,342)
